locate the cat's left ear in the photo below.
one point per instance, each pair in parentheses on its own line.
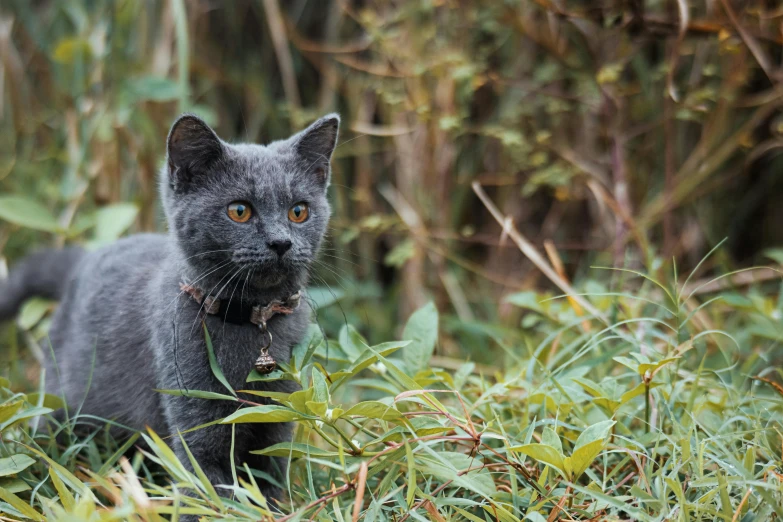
(315,145)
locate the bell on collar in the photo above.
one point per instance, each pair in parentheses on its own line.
(265,364)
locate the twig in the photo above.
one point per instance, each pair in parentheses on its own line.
(530,251)
(361,480)
(684,19)
(754,47)
(275,21)
(739,508)
(335,493)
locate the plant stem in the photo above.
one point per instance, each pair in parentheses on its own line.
(359,426)
(647,406)
(326,437)
(356,450)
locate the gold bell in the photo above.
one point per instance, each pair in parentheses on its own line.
(265,364)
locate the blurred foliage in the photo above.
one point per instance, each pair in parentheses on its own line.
(618,133)
(621,132)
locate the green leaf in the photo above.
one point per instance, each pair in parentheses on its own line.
(351,342)
(587,447)
(447,465)
(28,213)
(112,220)
(373,410)
(8,409)
(591,387)
(400,254)
(581,459)
(213,364)
(277,375)
(422,330)
(266,413)
(598,431)
(305,349)
(369,357)
(199,394)
(28,413)
(295,450)
(167,457)
(421,426)
(550,438)
(776,254)
(66,498)
(629,363)
(651,367)
(32,311)
(528,300)
(410,496)
(320,387)
(153,88)
(67,477)
(317,408)
(276,396)
(638,390)
(543,453)
(322,297)
(15,464)
(109,463)
(14,485)
(54,402)
(204,481)
(20,505)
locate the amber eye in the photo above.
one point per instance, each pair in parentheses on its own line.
(298,213)
(239,211)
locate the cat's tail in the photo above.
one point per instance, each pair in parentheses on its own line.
(45,274)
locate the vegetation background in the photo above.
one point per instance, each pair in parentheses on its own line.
(491,154)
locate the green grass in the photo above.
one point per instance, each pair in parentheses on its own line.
(669,411)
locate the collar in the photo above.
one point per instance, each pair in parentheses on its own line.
(240,313)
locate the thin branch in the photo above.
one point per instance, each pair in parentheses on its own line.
(275,21)
(530,251)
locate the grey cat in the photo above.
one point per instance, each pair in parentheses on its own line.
(245,223)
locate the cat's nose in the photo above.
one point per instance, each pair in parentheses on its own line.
(280,246)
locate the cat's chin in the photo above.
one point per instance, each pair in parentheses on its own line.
(270,278)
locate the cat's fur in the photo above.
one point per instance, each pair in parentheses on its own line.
(124,323)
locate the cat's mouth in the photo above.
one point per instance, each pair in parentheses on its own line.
(266,270)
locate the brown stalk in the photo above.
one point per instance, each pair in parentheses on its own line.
(361,481)
(751,42)
(531,253)
(280,41)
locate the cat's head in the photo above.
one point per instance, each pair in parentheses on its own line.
(244,213)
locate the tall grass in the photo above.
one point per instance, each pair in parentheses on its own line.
(657,415)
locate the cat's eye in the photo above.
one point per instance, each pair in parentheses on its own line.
(239,211)
(299,212)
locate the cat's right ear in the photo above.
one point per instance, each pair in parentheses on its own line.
(192,147)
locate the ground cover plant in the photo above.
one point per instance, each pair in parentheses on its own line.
(662,405)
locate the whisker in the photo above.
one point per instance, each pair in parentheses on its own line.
(334,271)
(309,301)
(336,300)
(198,314)
(223,334)
(221,265)
(205,253)
(341,259)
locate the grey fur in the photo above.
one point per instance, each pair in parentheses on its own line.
(123,308)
